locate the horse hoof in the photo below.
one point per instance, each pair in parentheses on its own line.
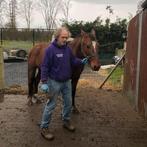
(38,101)
(75,110)
(35,100)
(29,103)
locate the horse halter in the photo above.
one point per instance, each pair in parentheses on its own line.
(91,47)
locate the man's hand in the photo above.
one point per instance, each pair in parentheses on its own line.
(45,88)
(85,60)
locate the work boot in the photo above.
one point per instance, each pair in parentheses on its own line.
(46,134)
(67,125)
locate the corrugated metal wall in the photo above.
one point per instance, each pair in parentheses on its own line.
(135,77)
(143,67)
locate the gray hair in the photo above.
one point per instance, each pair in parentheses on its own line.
(59,30)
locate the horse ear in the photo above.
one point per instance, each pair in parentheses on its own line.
(82,32)
(93,33)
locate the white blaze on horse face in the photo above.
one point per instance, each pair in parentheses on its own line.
(94,46)
(70,39)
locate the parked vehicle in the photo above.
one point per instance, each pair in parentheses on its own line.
(115,59)
(18,52)
(5,55)
(14,56)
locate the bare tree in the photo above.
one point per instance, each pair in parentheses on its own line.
(2,9)
(109,8)
(26,8)
(98,21)
(130,16)
(110,11)
(50,9)
(65,9)
(11,13)
(144,4)
(139,6)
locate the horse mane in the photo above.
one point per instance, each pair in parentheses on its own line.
(75,44)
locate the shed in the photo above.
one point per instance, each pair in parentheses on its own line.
(135,75)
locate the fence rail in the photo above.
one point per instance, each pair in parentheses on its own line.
(22,34)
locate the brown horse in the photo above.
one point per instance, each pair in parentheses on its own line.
(82,46)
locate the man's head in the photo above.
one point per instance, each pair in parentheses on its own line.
(62,34)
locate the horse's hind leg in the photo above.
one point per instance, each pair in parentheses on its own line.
(31,76)
(75,77)
(36,83)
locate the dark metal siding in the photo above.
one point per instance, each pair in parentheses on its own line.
(137,93)
(131,59)
(143,66)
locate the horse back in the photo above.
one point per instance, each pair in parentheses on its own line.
(36,54)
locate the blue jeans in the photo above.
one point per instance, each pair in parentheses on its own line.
(55,88)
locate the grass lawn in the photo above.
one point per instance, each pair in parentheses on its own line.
(116,77)
(17,44)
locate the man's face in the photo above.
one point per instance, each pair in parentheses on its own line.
(62,39)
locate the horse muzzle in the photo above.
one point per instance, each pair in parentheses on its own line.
(95,67)
(94,64)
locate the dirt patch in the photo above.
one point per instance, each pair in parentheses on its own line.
(15,89)
(106,119)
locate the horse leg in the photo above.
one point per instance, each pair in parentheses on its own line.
(36,83)
(36,80)
(74,85)
(31,74)
(75,77)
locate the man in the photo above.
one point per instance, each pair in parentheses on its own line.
(56,78)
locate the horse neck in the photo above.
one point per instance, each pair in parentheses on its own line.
(76,47)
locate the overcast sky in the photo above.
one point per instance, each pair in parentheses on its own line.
(107,1)
(89,10)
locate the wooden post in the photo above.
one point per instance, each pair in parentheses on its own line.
(1,34)
(111,72)
(1,75)
(33,37)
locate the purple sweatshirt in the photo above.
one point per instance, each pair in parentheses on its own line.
(57,63)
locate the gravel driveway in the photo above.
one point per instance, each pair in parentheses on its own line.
(15,73)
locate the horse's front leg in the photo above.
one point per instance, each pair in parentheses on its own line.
(74,85)
(75,78)
(30,94)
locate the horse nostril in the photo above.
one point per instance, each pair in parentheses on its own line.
(96,68)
